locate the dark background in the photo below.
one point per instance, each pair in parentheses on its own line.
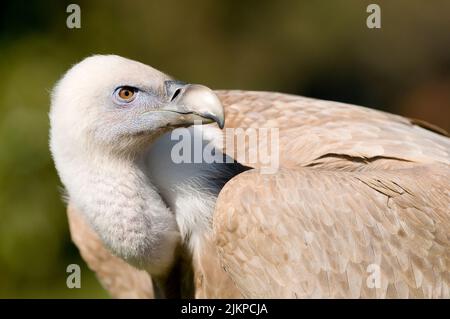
(316,48)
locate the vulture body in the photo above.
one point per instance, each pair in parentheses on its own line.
(358,193)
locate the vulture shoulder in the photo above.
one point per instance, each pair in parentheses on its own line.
(316,132)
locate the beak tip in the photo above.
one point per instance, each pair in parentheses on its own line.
(219,120)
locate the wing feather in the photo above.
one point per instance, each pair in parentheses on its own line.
(314,233)
(324,133)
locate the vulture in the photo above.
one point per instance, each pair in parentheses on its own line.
(354,204)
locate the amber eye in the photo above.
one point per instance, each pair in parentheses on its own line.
(126,93)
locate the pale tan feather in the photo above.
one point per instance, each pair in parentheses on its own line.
(311,129)
(314,233)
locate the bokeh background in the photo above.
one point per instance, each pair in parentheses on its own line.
(316,48)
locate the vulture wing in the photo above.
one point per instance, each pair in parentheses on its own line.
(327,234)
(360,206)
(324,133)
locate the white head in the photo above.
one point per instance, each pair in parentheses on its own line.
(118,105)
(105,111)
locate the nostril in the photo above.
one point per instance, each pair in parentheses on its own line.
(175,94)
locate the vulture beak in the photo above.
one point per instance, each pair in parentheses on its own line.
(194,102)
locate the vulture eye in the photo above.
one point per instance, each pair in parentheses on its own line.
(126,94)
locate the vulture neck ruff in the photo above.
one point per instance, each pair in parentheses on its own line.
(143,207)
(123,207)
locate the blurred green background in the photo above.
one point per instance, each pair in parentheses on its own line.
(314,48)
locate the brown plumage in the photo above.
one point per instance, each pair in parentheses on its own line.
(356,187)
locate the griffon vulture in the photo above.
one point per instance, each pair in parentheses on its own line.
(359,206)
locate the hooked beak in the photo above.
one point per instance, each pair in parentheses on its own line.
(195,102)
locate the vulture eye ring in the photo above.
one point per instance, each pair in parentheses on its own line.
(125,94)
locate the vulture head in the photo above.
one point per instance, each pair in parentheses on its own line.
(105,112)
(117,104)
